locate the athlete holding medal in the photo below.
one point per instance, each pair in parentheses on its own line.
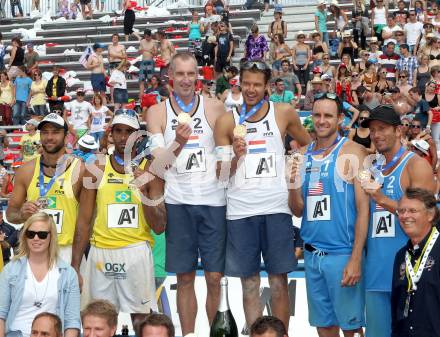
(402,169)
(51,182)
(183,149)
(250,157)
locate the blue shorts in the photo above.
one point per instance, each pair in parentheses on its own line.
(378,311)
(192,231)
(146,70)
(97,135)
(329,303)
(270,236)
(120,96)
(98,82)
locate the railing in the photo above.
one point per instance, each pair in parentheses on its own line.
(110,5)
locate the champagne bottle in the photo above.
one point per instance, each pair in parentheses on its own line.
(224,323)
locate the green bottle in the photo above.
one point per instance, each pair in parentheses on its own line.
(224,323)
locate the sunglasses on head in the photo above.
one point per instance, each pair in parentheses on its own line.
(329,95)
(260,65)
(41,234)
(129,112)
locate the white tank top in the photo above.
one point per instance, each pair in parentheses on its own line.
(231,103)
(192,179)
(379,16)
(259,186)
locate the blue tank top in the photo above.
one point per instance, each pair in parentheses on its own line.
(194,31)
(385,236)
(329,209)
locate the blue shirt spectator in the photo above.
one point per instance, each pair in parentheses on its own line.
(22,88)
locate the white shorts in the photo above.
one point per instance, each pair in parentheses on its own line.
(124,276)
(65,253)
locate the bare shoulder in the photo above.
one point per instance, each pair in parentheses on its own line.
(25,172)
(285,110)
(418,166)
(351,147)
(156,116)
(214,107)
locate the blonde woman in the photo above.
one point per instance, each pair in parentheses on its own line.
(37,280)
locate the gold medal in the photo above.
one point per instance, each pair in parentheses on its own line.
(240,131)
(184,118)
(364,175)
(42,202)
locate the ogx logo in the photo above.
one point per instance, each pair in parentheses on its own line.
(115,267)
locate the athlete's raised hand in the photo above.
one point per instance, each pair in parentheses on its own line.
(183,131)
(239,146)
(29,208)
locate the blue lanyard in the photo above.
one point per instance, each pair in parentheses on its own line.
(45,188)
(245,115)
(118,159)
(393,161)
(183,106)
(316,152)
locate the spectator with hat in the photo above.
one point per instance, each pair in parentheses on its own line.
(413,29)
(399,36)
(31,58)
(206,88)
(422,148)
(422,40)
(321,20)
(277,26)
(375,51)
(95,63)
(55,90)
(316,88)
(301,58)
(87,147)
(38,94)
(328,83)
(77,113)
(339,17)
(30,142)
(319,48)
(348,47)
(233,97)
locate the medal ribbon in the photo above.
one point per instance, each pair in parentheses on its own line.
(118,159)
(414,274)
(393,161)
(183,106)
(319,151)
(245,115)
(45,188)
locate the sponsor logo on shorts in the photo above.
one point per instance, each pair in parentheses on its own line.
(123,196)
(112,270)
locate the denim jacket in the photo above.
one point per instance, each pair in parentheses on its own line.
(12,281)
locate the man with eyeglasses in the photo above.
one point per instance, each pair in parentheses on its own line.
(415,129)
(182,143)
(250,157)
(398,170)
(51,182)
(334,212)
(413,29)
(407,62)
(126,197)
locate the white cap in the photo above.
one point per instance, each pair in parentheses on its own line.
(55,119)
(326,77)
(421,145)
(88,142)
(33,122)
(126,119)
(322,2)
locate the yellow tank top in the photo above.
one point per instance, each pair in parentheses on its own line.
(1,260)
(62,204)
(120,220)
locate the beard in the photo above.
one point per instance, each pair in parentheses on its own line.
(56,149)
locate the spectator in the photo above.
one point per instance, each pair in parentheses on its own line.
(348,47)
(30,142)
(222,82)
(87,147)
(38,94)
(4,143)
(78,112)
(321,21)
(328,83)
(22,97)
(129,19)
(10,239)
(16,3)
(24,297)
(224,48)
(99,317)
(206,88)
(233,98)
(87,3)
(339,17)
(401,15)
(342,72)
(96,64)
(47,324)
(361,65)
(421,107)
(375,52)
(326,67)
(291,81)
(360,21)
(256,45)
(281,95)
(116,53)
(432,50)
(399,35)
(267,326)
(119,83)
(2,9)
(157,325)
(430,94)
(355,82)
(195,36)
(316,89)
(219,6)
(7,94)
(415,312)
(426,35)
(346,61)
(31,58)
(166,51)
(422,74)
(388,61)
(97,118)
(402,83)
(301,59)
(278,26)
(55,90)
(379,15)
(382,85)
(407,63)
(9,180)
(281,52)
(2,50)
(318,50)
(420,10)
(16,59)
(148,49)
(368,98)
(361,135)
(413,29)
(425,149)
(369,76)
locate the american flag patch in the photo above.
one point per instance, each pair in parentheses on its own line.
(193,142)
(379,208)
(316,188)
(256,146)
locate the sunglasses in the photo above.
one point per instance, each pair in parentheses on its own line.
(415,126)
(412,14)
(354,75)
(362,118)
(406,125)
(402,76)
(129,112)
(41,234)
(260,65)
(329,95)
(326,58)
